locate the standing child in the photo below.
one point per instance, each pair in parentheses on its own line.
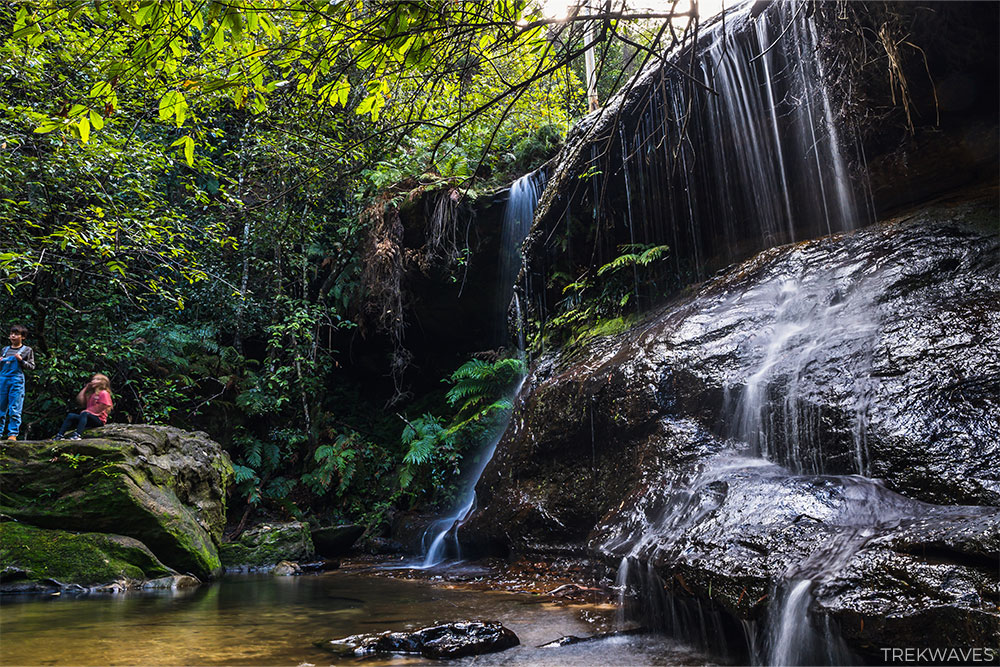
(13,360)
(96,396)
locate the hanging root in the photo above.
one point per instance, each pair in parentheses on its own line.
(381,282)
(387,260)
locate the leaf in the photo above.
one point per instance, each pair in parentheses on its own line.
(166,105)
(341,90)
(187,147)
(84,128)
(47,127)
(96,120)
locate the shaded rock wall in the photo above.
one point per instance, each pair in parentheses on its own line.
(790,116)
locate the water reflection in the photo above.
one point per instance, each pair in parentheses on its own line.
(263,620)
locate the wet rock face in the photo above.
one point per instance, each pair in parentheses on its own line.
(452,640)
(162,486)
(825,412)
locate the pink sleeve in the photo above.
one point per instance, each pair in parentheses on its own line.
(104,398)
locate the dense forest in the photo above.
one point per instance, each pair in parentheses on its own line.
(189,197)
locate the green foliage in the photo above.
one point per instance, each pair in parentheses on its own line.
(180,185)
(481,391)
(334,462)
(640,256)
(605,303)
(478,383)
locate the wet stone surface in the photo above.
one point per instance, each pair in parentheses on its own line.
(452,640)
(826,412)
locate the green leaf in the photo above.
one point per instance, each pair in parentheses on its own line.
(84,128)
(47,127)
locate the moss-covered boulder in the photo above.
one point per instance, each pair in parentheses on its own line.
(160,485)
(37,560)
(268,544)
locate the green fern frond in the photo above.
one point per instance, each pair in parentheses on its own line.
(405,476)
(252,452)
(618,263)
(243,474)
(652,254)
(421,451)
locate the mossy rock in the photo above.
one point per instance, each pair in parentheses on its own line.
(267,544)
(36,559)
(160,485)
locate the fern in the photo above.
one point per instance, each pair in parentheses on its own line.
(252,452)
(478,382)
(279,487)
(652,254)
(423,435)
(244,474)
(618,262)
(640,256)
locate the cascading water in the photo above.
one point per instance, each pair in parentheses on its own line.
(740,153)
(517,217)
(441,538)
(753,159)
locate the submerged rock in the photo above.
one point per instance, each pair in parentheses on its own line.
(823,420)
(36,560)
(160,485)
(452,640)
(267,544)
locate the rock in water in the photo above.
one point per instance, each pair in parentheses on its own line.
(267,544)
(286,569)
(160,485)
(452,640)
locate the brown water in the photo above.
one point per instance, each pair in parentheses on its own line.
(265,620)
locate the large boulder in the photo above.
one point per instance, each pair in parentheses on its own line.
(39,560)
(268,544)
(162,486)
(817,426)
(336,541)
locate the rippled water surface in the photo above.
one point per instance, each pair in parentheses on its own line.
(263,620)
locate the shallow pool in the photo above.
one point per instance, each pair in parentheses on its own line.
(266,620)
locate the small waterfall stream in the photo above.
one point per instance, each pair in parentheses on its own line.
(440,540)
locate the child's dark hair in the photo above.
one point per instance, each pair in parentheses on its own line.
(19,329)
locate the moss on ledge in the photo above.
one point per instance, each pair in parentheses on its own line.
(36,558)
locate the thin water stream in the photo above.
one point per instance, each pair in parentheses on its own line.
(440,540)
(267,620)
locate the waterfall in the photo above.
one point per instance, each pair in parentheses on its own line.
(746,157)
(738,153)
(518,215)
(808,322)
(441,538)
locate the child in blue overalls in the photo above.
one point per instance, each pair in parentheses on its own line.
(13,360)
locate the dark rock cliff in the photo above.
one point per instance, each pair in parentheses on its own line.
(826,412)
